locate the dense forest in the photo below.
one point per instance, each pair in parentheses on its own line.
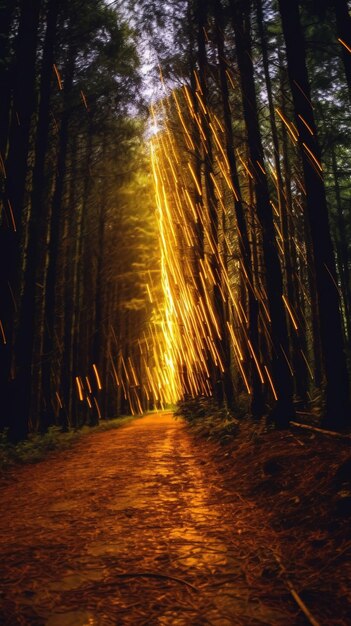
(195,246)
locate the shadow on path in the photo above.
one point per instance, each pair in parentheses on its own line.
(132,527)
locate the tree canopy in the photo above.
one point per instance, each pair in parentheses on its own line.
(198,249)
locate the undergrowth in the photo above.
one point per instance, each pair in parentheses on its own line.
(207,419)
(38,445)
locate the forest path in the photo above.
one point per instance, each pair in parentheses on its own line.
(132,527)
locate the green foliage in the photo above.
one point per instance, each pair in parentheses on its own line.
(38,446)
(207,419)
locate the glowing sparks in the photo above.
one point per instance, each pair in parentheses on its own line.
(98,381)
(85,102)
(313,157)
(79,389)
(271,383)
(343,43)
(201,269)
(189,321)
(59,402)
(12,216)
(290,127)
(306,124)
(2,333)
(289,309)
(58,77)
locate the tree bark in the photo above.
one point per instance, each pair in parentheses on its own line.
(222,381)
(7,10)
(257,399)
(343,26)
(13,203)
(283,410)
(49,401)
(296,336)
(337,385)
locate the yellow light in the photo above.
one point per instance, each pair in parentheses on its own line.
(97,376)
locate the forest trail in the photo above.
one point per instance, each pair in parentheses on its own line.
(133,526)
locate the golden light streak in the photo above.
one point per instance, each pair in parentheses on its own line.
(135,379)
(195,179)
(114,372)
(287,360)
(303,93)
(261,168)
(58,77)
(98,381)
(244,377)
(229,76)
(88,384)
(82,95)
(219,144)
(274,208)
(58,400)
(313,157)
(343,43)
(79,389)
(256,361)
(191,144)
(149,292)
(188,335)
(97,407)
(198,86)
(305,123)
(244,166)
(333,280)
(288,308)
(271,383)
(189,100)
(2,166)
(307,364)
(12,216)
(288,125)
(2,333)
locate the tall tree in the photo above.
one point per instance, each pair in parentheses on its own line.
(223,386)
(7,11)
(283,410)
(24,73)
(257,401)
(343,24)
(337,387)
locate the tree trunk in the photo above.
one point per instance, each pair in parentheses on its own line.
(7,10)
(222,381)
(49,401)
(12,215)
(342,248)
(283,411)
(70,257)
(40,182)
(343,26)
(257,399)
(98,355)
(337,385)
(296,336)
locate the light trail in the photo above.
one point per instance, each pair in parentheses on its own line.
(180,353)
(191,329)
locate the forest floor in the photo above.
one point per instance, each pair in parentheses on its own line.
(148,525)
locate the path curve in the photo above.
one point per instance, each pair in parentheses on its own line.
(132,527)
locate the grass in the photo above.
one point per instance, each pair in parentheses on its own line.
(38,446)
(207,420)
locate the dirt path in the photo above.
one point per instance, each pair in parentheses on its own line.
(132,527)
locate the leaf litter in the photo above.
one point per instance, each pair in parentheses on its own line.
(148,525)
